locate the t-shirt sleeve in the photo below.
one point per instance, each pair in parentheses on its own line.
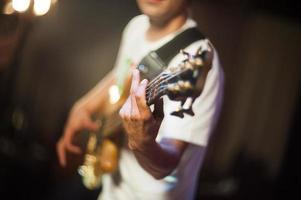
(195,129)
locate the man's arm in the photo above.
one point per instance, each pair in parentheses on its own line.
(159,159)
(80,116)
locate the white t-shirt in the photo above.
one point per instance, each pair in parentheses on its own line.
(136,183)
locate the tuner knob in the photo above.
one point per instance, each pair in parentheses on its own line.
(199,62)
(189,64)
(184,85)
(173,87)
(187,85)
(180,85)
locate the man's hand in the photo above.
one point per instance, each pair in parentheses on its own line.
(79,119)
(140,123)
(142,126)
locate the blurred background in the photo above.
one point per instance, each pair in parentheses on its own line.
(53,51)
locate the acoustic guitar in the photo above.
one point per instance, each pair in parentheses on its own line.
(180,83)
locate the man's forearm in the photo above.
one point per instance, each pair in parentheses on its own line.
(160,159)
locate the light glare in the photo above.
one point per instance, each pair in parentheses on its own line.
(41,7)
(114,94)
(8,9)
(20,5)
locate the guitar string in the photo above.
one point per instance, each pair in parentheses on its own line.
(150,96)
(154,81)
(172,75)
(157,78)
(167,79)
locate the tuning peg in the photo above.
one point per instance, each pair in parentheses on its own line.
(185,85)
(173,87)
(198,62)
(179,86)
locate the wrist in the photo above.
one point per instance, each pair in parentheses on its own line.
(142,144)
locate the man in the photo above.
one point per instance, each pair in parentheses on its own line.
(165,153)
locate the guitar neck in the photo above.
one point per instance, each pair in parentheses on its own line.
(160,86)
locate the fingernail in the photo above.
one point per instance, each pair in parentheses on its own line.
(144,82)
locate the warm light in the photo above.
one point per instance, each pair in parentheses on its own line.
(41,7)
(8,9)
(20,5)
(114,94)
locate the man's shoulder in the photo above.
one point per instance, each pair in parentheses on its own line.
(138,21)
(135,26)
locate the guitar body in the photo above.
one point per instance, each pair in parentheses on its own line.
(103,146)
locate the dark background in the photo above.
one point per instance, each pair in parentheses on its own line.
(48,62)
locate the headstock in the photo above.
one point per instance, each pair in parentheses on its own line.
(184,81)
